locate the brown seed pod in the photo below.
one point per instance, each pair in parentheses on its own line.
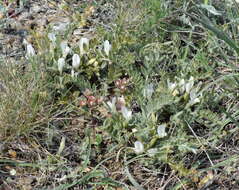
(91,98)
(118,83)
(99,100)
(90,103)
(122,88)
(124,81)
(82,103)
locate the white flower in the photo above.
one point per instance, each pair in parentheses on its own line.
(13,172)
(107,47)
(138,147)
(194,97)
(189,84)
(181,85)
(83,42)
(134,130)
(75,61)
(30,51)
(52,37)
(171,85)
(148,91)
(65,48)
(72,73)
(61,64)
(67,51)
(112,105)
(127,114)
(25,42)
(161,130)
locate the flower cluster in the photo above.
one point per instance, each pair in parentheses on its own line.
(90,100)
(121,84)
(118,105)
(182,87)
(76,58)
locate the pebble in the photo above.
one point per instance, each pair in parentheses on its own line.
(35,9)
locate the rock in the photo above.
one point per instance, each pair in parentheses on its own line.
(35,9)
(60,24)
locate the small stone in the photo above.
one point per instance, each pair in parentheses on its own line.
(35,9)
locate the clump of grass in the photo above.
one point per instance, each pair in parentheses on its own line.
(22,100)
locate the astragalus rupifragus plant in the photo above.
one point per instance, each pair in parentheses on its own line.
(159,128)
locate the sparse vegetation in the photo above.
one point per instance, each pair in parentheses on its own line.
(121,95)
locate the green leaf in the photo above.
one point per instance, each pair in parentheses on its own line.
(219,33)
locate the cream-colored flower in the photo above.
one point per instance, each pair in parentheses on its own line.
(171,85)
(111,104)
(72,73)
(84,43)
(181,85)
(30,51)
(127,114)
(107,47)
(65,48)
(161,130)
(189,85)
(75,61)
(138,147)
(61,64)
(194,97)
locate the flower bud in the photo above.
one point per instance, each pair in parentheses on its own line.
(61,64)
(75,61)
(107,47)
(83,42)
(138,147)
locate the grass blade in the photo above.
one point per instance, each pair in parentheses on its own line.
(219,33)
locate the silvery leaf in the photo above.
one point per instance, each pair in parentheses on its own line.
(210,9)
(148,91)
